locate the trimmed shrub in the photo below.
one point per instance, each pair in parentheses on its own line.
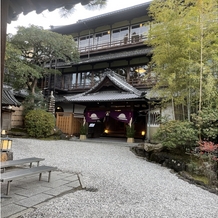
(177,134)
(39,123)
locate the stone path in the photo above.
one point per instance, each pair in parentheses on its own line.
(29,193)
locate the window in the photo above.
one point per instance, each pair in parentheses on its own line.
(120,34)
(76,40)
(73,79)
(139,30)
(101,38)
(122,72)
(81,80)
(85,42)
(97,76)
(138,74)
(67,79)
(88,79)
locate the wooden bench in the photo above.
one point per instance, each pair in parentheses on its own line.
(16,174)
(11,163)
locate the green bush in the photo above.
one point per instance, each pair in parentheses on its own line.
(177,134)
(34,102)
(206,121)
(39,123)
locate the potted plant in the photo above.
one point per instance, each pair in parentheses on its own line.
(130,133)
(83,131)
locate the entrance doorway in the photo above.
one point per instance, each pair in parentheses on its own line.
(114,128)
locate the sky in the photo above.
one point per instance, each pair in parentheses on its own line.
(47,19)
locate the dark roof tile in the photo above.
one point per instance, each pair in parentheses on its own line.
(9,99)
(125,91)
(102,97)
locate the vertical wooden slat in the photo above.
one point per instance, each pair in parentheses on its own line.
(67,123)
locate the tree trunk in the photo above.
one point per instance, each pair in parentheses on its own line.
(201,54)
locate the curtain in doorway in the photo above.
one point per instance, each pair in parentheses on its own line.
(93,116)
(122,116)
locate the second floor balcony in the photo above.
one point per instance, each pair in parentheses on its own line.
(126,42)
(83,86)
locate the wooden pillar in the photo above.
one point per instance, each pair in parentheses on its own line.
(4,16)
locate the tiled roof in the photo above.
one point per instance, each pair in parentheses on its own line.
(105,57)
(17,93)
(119,81)
(114,12)
(9,99)
(124,91)
(105,19)
(116,55)
(102,96)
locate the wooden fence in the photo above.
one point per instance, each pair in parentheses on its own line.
(17,118)
(68,124)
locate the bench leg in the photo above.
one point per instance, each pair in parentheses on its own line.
(49,176)
(8,187)
(40,176)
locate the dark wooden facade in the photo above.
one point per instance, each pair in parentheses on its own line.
(115,41)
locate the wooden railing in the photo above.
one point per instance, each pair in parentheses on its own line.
(81,86)
(134,82)
(136,39)
(148,83)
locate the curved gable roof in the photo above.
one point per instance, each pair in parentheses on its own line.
(122,90)
(118,81)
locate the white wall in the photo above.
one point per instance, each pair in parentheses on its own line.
(66,106)
(168,112)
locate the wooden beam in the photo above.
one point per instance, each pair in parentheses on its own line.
(4,15)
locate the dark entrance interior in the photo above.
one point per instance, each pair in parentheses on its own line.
(109,127)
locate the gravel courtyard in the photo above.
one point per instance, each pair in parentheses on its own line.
(119,184)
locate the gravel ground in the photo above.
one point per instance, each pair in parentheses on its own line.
(120,184)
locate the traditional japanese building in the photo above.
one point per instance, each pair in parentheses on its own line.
(113,77)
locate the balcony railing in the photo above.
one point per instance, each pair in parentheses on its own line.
(126,41)
(149,83)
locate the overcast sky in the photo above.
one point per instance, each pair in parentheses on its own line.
(46,19)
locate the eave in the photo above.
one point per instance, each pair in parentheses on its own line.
(105,19)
